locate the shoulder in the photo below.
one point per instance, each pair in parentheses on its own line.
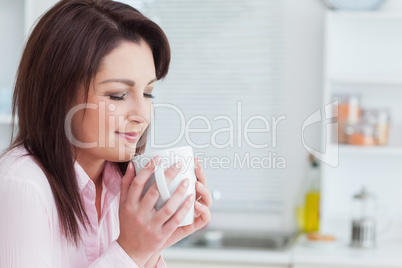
(17,168)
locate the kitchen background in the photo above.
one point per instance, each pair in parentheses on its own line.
(271,58)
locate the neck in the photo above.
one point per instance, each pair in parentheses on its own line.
(93,168)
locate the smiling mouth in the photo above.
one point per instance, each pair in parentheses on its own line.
(129,136)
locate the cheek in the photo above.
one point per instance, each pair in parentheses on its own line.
(148,112)
(111,119)
(146,115)
(84,127)
(90,125)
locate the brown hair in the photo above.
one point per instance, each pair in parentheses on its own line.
(63,54)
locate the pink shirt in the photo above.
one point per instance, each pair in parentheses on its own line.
(30,234)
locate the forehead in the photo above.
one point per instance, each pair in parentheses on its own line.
(129,60)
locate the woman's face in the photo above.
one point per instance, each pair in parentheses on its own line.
(119,105)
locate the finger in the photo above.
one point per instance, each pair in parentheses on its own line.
(180,233)
(199,173)
(170,174)
(203,194)
(126,181)
(204,215)
(172,171)
(173,203)
(178,217)
(147,204)
(138,184)
(199,222)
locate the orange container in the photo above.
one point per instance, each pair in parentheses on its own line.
(349,113)
(362,134)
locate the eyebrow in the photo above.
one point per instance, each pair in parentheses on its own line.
(128,82)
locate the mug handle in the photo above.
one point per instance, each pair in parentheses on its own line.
(161,183)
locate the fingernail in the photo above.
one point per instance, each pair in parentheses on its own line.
(200,184)
(186,182)
(179,164)
(157,159)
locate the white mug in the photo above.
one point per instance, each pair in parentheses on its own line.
(169,157)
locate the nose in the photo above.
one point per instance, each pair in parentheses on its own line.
(139,111)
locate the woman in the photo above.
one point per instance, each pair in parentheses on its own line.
(83,99)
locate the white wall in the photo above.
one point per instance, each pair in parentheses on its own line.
(303,83)
(392,5)
(11,29)
(34,9)
(12,39)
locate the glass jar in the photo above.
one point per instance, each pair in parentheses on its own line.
(383,127)
(380,119)
(349,112)
(361,134)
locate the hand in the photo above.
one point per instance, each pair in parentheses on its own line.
(143,230)
(201,206)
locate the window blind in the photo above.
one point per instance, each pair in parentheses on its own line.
(227,56)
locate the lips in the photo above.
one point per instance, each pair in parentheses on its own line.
(129,136)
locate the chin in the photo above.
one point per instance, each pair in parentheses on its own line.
(121,154)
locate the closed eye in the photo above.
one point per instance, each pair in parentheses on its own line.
(117,98)
(122,97)
(149,96)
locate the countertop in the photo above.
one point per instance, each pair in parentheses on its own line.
(388,254)
(228,255)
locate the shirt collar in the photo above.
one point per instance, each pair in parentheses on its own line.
(111,177)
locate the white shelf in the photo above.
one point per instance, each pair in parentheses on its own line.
(370,15)
(368,150)
(367,80)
